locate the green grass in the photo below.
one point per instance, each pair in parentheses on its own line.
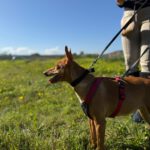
(37,116)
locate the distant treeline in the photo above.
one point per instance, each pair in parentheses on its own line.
(112,55)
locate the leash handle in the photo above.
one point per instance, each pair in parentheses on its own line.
(136,62)
(117,34)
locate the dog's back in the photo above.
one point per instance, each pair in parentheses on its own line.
(142,83)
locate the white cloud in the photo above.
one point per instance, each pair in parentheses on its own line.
(17,51)
(29,51)
(53,51)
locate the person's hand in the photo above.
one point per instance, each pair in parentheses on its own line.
(120,2)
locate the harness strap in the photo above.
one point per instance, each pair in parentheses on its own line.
(92,90)
(121,96)
(89,96)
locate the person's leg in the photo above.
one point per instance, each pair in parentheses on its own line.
(145,42)
(131,48)
(131,44)
(144,19)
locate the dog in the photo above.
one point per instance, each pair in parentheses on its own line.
(104,101)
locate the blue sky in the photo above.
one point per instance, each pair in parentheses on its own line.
(46,26)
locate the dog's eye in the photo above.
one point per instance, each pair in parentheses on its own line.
(59,66)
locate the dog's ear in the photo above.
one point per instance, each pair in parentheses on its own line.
(68,53)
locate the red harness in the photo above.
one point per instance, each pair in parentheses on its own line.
(121,96)
(93,89)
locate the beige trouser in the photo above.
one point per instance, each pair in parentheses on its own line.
(137,38)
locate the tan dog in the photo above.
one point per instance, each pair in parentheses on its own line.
(105,99)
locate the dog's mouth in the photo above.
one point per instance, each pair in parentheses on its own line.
(55,78)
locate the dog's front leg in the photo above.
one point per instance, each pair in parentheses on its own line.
(92,133)
(100,134)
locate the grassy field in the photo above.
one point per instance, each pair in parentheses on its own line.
(37,116)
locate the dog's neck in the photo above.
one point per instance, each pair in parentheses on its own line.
(75,72)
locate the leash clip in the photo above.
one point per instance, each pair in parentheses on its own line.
(91,70)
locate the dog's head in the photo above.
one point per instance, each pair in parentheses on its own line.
(61,69)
